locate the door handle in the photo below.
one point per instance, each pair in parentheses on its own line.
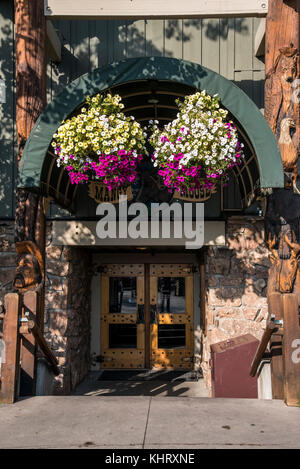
(141,314)
(153,318)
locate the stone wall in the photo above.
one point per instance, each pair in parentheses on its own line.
(236,281)
(67,303)
(67,312)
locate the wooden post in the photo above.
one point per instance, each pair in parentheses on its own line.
(282,71)
(10,368)
(291,349)
(262,348)
(30,48)
(275,308)
(282,114)
(30,53)
(31,328)
(30,33)
(28,346)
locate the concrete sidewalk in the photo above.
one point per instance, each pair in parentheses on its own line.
(148,422)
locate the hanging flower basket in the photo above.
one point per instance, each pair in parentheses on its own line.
(100,143)
(197,148)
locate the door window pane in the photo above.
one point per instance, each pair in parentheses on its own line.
(122,295)
(122,336)
(171,336)
(171,295)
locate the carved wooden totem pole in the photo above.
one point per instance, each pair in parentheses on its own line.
(282,111)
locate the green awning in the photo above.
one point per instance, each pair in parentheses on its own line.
(33,170)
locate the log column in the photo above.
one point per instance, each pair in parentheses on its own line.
(282,71)
(282,113)
(30,47)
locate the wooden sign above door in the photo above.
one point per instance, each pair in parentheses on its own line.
(100,193)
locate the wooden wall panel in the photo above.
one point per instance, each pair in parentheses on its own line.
(7,111)
(7,70)
(80,48)
(211,44)
(192,40)
(155,37)
(225,45)
(173,38)
(136,38)
(119,44)
(7,176)
(243,47)
(227,33)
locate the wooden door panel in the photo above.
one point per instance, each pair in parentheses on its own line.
(172,344)
(170,332)
(122,333)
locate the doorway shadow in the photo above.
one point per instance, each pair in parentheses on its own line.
(93,386)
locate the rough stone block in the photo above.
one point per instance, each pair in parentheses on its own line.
(53,252)
(59,268)
(225,296)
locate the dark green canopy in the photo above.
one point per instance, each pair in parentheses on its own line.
(35,174)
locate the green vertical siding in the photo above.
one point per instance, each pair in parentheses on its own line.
(7,110)
(223,45)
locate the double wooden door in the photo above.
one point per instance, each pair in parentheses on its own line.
(147,316)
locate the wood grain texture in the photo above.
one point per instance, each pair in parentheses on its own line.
(28,347)
(30,59)
(10,369)
(282,64)
(30,42)
(275,308)
(118,358)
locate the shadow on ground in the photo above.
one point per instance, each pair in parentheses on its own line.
(93,385)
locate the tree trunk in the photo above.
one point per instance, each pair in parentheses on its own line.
(30,39)
(30,47)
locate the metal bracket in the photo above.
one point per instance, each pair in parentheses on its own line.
(101,359)
(278,322)
(22,320)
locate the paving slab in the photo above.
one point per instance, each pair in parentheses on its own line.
(221,423)
(74,422)
(129,422)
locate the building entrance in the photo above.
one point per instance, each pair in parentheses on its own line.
(147,316)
